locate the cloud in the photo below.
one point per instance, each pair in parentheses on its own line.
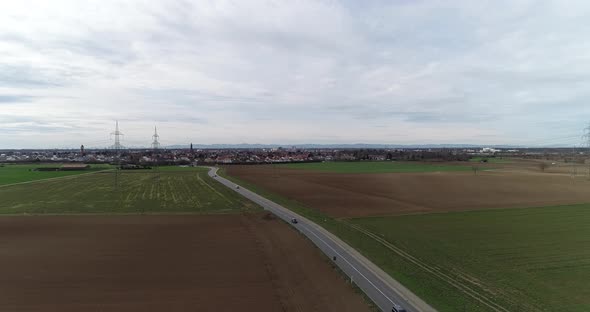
(293,71)
(15,98)
(28,77)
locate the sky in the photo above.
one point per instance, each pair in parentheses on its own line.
(293,72)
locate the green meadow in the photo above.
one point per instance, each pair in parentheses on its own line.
(166,190)
(10,173)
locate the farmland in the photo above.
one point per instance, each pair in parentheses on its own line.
(171,190)
(149,240)
(10,174)
(531,258)
(164,262)
(343,195)
(498,240)
(374,167)
(145,191)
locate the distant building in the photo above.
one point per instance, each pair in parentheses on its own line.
(46,169)
(72,167)
(489,150)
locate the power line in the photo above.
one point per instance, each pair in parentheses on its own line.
(118,134)
(586,136)
(156,170)
(155,137)
(117,147)
(586,139)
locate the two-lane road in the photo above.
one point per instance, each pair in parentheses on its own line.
(376,284)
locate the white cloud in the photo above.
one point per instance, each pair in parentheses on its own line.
(292,71)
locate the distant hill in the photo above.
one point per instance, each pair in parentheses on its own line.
(351,146)
(312,146)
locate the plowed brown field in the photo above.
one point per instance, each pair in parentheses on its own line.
(164,263)
(519,184)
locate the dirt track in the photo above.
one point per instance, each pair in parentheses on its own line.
(164,263)
(357,195)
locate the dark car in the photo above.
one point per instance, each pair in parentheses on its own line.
(294,221)
(397,308)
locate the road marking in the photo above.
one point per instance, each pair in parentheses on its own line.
(350,264)
(54,178)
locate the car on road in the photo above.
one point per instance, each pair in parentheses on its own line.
(294,221)
(237,187)
(397,308)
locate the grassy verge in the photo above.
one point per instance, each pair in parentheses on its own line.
(372,306)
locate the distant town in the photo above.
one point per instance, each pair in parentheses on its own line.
(193,155)
(190,156)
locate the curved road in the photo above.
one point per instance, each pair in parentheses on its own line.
(383,290)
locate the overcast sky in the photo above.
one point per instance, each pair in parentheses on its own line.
(291,72)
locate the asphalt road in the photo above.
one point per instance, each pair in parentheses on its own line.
(376,284)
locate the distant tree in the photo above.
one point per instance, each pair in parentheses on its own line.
(543,166)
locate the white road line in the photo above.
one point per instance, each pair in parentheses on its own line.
(352,266)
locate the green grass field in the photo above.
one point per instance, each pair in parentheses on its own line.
(533,259)
(10,174)
(178,190)
(373,167)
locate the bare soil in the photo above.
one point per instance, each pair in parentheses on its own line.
(518,184)
(165,263)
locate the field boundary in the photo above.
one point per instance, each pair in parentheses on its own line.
(375,167)
(432,270)
(211,188)
(56,178)
(376,270)
(98,214)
